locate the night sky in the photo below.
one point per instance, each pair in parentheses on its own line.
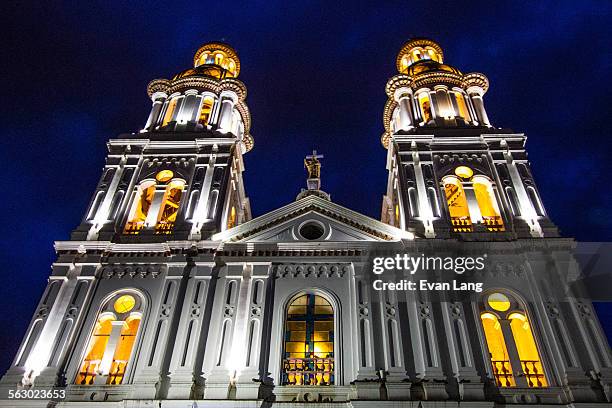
(75,74)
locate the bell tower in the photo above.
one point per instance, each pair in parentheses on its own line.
(451,173)
(180,177)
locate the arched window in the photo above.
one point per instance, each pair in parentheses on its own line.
(511,343)
(231,219)
(483,189)
(140,208)
(206,110)
(169,111)
(425,105)
(308,355)
(457,204)
(169,207)
(112,341)
(461,106)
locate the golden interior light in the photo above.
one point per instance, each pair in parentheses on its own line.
(498,301)
(164,176)
(124,304)
(464,172)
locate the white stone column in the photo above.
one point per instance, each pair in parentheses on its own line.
(201,210)
(425,212)
(473,207)
(476,94)
(403,97)
(102,215)
(188,107)
(158,197)
(158,102)
(228,100)
(528,213)
(41,352)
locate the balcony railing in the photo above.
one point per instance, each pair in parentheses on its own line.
(502,371)
(308,371)
(533,373)
(133,227)
(88,372)
(461,224)
(494,223)
(117,371)
(164,227)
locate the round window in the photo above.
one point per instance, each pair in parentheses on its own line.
(164,176)
(499,302)
(124,304)
(464,172)
(312,230)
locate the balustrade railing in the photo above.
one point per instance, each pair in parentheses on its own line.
(308,371)
(502,371)
(533,373)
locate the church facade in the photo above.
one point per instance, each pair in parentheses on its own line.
(170,294)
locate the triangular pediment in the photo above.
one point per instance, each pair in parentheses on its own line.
(312,219)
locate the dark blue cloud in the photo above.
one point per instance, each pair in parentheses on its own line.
(74,75)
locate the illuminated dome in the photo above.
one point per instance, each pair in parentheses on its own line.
(215,60)
(418,49)
(423,66)
(429,93)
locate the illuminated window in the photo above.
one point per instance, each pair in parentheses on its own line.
(169,207)
(97,345)
(506,327)
(231,220)
(425,105)
(498,302)
(498,353)
(169,111)
(124,304)
(527,350)
(205,112)
(457,204)
(111,343)
(464,172)
(483,189)
(164,175)
(140,208)
(309,342)
(461,105)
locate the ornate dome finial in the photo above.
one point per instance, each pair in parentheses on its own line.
(219,54)
(418,49)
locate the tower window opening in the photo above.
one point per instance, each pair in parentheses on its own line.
(461,105)
(169,111)
(457,204)
(425,105)
(507,327)
(483,189)
(527,350)
(498,352)
(308,356)
(458,207)
(112,341)
(206,110)
(169,208)
(140,208)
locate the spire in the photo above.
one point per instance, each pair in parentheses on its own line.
(312,164)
